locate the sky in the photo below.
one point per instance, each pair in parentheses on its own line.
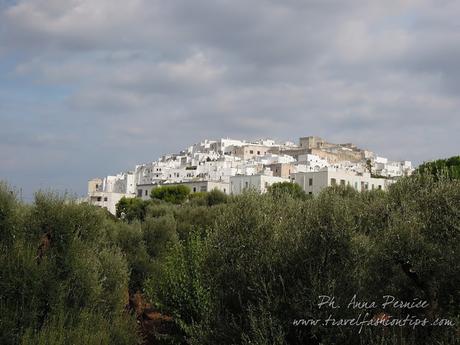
(93,87)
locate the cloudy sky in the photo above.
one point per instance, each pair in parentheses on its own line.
(92,87)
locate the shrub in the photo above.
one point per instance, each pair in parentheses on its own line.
(280,189)
(172,194)
(131,209)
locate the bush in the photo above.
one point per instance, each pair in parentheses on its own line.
(238,272)
(441,168)
(280,189)
(61,278)
(131,209)
(172,194)
(264,263)
(159,233)
(216,197)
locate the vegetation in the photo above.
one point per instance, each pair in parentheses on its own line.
(223,270)
(441,168)
(287,188)
(61,280)
(131,208)
(173,194)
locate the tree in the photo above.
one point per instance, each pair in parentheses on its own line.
(172,194)
(215,197)
(369,166)
(449,168)
(62,280)
(131,209)
(286,188)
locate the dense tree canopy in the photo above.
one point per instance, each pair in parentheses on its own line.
(286,188)
(449,168)
(214,269)
(173,194)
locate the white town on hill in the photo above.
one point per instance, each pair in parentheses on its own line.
(233,166)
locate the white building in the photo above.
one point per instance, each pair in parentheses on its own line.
(234,165)
(383,166)
(143,191)
(313,182)
(107,192)
(259,183)
(107,200)
(312,162)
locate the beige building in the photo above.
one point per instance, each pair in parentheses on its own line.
(314,143)
(281,169)
(314,182)
(94,185)
(333,153)
(251,151)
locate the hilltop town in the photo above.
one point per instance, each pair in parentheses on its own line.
(233,166)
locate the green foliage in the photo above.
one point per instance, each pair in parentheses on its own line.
(238,272)
(264,263)
(86,327)
(280,189)
(198,199)
(8,210)
(178,288)
(216,197)
(131,209)
(172,194)
(62,280)
(441,168)
(158,234)
(369,166)
(212,198)
(130,239)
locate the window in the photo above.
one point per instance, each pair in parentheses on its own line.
(194,189)
(310,193)
(99,198)
(105,199)
(310,182)
(139,193)
(203,189)
(146,192)
(379,187)
(97,186)
(246,184)
(342,182)
(258,152)
(333,182)
(225,190)
(356,185)
(251,152)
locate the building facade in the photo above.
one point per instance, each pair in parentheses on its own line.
(235,165)
(259,183)
(144,191)
(314,182)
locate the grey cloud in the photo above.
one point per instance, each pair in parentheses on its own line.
(141,78)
